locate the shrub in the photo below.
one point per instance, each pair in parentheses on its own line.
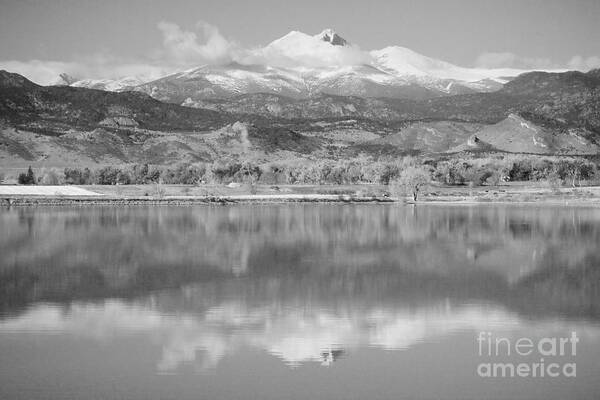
(451,172)
(521,170)
(51,177)
(476,176)
(336,175)
(317,173)
(273,174)
(354,173)
(112,176)
(185,174)
(75,176)
(249,173)
(143,174)
(495,178)
(554,182)
(389,172)
(372,172)
(27,178)
(541,169)
(222,171)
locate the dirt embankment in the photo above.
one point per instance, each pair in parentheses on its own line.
(122,195)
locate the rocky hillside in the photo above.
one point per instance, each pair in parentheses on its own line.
(515,134)
(59,109)
(538,113)
(557,100)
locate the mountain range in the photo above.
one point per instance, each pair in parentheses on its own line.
(390,102)
(301,66)
(538,112)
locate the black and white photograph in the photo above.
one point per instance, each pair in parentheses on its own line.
(299,200)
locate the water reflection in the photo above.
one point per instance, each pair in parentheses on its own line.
(532,260)
(293,335)
(306,284)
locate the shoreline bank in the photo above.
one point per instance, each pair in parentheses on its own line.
(219,195)
(29,201)
(183,201)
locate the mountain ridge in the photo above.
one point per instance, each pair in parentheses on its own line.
(66,107)
(302,65)
(570,99)
(535,114)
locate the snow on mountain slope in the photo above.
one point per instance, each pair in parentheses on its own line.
(111,85)
(299,49)
(363,81)
(208,82)
(402,61)
(225,81)
(299,65)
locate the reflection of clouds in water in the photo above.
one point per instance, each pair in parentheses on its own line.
(395,331)
(101,321)
(293,335)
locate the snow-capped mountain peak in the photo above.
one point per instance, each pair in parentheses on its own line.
(405,62)
(297,49)
(330,36)
(300,65)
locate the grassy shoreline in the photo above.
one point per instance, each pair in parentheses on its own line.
(220,194)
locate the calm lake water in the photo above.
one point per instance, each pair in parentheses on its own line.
(294,301)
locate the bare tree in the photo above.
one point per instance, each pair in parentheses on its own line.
(250,173)
(413,180)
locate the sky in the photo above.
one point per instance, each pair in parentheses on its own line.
(124,36)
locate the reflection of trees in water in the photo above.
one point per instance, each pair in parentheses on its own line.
(571,287)
(508,254)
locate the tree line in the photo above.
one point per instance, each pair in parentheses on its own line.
(452,171)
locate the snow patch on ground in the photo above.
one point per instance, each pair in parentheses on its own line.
(36,190)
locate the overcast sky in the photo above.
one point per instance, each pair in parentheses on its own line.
(523,33)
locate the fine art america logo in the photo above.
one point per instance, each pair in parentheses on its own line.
(508,357)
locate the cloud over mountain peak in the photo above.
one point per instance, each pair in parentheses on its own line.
(182,49)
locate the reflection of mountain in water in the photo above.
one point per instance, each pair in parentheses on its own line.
(304,283)
(310,332)
(534,260)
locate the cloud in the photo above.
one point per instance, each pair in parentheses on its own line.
(584,64)
(299,49)
(206,45)
(511,60)
(45,72)
(41,72)
(186,47)
(180,49)
(183,48)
